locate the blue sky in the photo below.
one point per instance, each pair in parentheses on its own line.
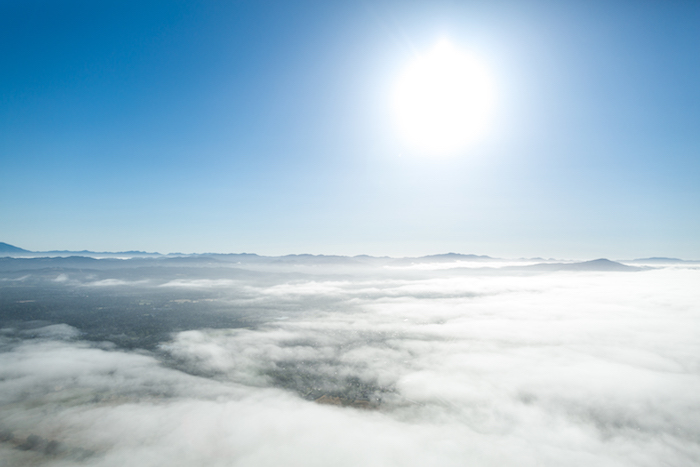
(265,127)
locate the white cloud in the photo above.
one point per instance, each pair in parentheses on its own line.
(573,369)
(114,283)
(199,283)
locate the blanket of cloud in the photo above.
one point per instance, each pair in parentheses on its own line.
(308,361)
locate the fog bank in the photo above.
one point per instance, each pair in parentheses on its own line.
(367,366)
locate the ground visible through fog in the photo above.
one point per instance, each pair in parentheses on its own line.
(237,360)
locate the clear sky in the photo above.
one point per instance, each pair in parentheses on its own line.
(266,127)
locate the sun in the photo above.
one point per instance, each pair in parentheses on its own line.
(443,100)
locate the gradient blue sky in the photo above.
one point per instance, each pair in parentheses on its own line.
(266,127)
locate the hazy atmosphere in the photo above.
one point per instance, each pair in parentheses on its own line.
(349,233)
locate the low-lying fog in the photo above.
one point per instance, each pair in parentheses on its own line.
(320,361)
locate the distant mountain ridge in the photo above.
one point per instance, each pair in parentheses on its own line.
(657,259)
(130,252)
(7,248)
(291,258)
(310,259)
(601,264)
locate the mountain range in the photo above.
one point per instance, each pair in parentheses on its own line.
(456,259)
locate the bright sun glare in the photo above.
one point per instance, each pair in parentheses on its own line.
(443,100)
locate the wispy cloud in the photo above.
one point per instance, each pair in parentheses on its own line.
(114,283)
(199,283)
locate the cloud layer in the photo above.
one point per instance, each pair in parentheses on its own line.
(372,367)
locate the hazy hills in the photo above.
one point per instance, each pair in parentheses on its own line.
(7,248)
(16,258)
